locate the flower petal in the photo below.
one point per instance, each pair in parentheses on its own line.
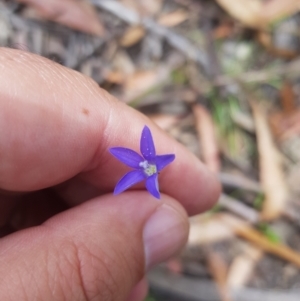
(152,186)
(128,180)
(127,156)
(163,160)
(147,145)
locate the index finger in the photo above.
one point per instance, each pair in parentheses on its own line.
(56,123)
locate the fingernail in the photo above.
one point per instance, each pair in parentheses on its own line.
(165,233)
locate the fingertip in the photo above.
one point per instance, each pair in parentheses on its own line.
(139,292)
(207,192)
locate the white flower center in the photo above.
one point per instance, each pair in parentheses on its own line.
(149,169)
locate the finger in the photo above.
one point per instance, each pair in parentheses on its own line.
(45,126)
(139,292)
(55,123)
(96,251)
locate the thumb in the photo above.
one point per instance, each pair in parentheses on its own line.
(96,251)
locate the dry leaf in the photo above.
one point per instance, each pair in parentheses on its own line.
(270,168)
(277,9)
(122,63)
(141,82)
(285,127)
(207,136)
(218,269)
(287,98)
(246,11)
(132,36)
(224,30)
(144,7)
(164,121)
(174,18)
(114,77)
(76,14)
(151,7)
(242,267)
(285,123)
(205,230)
(257,13)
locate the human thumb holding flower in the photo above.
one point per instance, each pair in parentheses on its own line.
(64,234)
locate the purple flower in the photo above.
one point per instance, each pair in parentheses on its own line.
(146,167)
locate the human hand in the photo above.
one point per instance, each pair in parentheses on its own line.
(64,235)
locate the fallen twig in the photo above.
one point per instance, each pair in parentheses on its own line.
(239,208)
(239,181)
(247,232)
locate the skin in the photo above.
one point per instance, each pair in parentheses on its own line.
(64,236)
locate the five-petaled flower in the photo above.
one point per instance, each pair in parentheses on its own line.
(145,168)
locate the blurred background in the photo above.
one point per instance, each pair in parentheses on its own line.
(223,78)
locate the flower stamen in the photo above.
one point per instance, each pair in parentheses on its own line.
(149,169)
(144,164)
